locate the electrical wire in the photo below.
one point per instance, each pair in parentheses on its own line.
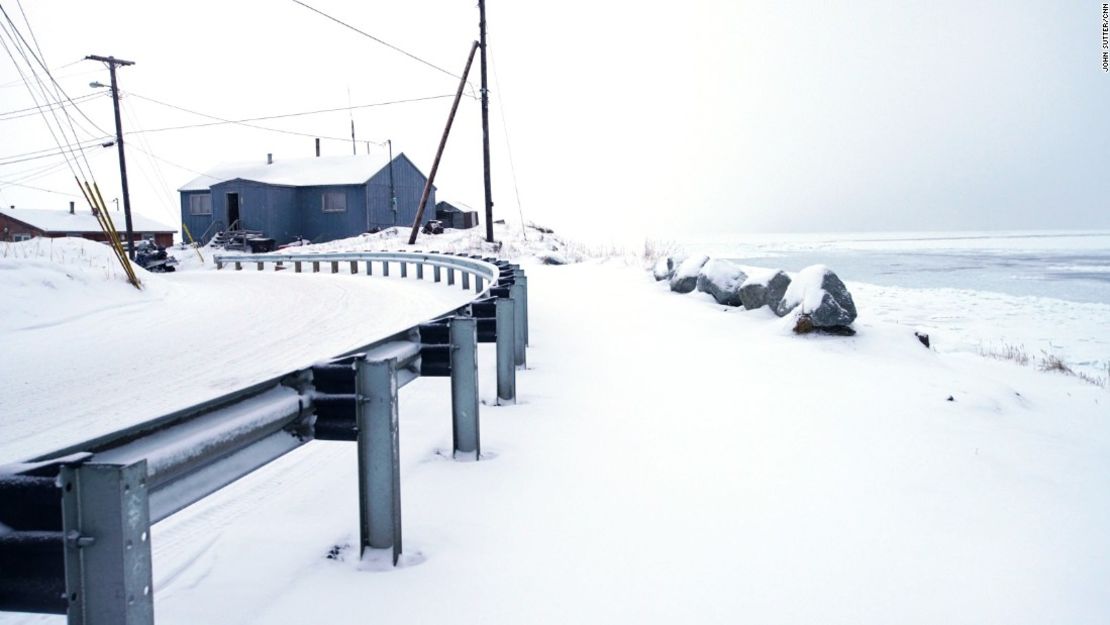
(287,115)
(33,110)
(223,120)
(508,147)
(378,40)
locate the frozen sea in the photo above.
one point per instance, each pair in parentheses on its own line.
(1047,292)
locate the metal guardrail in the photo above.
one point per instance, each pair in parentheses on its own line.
(75,523)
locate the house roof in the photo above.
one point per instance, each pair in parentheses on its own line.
(81,221)
(298,172)
(452,206)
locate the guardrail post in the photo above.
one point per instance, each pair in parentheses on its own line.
(464,386)
(219,264)
(466,280)
(297,266)
(506,371)
(450,276)
(106,521)
(404,269)
(238,266)
(335,266)
(516,293)
(369,267)
(354,267)
(315,266)
(260,265)
(523,282)
(435,273)
(478,283)
(420,270)
(379,478)
(385,268)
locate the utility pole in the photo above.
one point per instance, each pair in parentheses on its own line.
(112,63)
(485,120)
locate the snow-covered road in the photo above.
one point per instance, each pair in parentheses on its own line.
(193,336)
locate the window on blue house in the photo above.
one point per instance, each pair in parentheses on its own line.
(335,202)
(200,204)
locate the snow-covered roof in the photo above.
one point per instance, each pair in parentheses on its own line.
(297,172)
(457,206)
(81,221)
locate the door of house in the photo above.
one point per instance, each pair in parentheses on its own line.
(233,211)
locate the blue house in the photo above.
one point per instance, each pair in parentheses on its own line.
(319,199)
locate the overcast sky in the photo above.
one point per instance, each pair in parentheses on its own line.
(669,118)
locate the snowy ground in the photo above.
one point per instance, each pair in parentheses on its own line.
(674,461)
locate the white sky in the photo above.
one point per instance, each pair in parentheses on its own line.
(664,118)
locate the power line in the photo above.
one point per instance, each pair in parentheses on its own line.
(28,186)
(287,115)
(232,121)
(58,152)
(30,89)
(509,149)
(33,110)
(16,83)
(381,41)
(47,95)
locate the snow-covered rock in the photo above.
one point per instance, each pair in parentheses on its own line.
(764,289)
(663,269)
(818,293)
(722,280)
(685,278)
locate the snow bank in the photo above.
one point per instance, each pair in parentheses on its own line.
(511,242)
(45,281)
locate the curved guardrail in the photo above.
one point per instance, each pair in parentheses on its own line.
(75,523)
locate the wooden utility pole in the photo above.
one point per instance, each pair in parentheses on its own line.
(439,152)
(112,63)
(485,120)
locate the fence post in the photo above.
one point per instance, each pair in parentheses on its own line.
(379,479)
(464,386)
(106,522)
(516,293)
(506,371)
(522,280)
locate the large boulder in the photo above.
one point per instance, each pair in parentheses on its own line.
(819,294)
(764,289)
(663,269)
(685,278)
(722,280)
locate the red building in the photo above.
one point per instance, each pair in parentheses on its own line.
(20,224)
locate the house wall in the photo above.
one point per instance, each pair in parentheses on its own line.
(270,209)
(199,225)
(408,183)
(317,226)
(10,227)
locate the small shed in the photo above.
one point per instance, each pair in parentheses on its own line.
(456,215)
(20,224)
(320,199)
